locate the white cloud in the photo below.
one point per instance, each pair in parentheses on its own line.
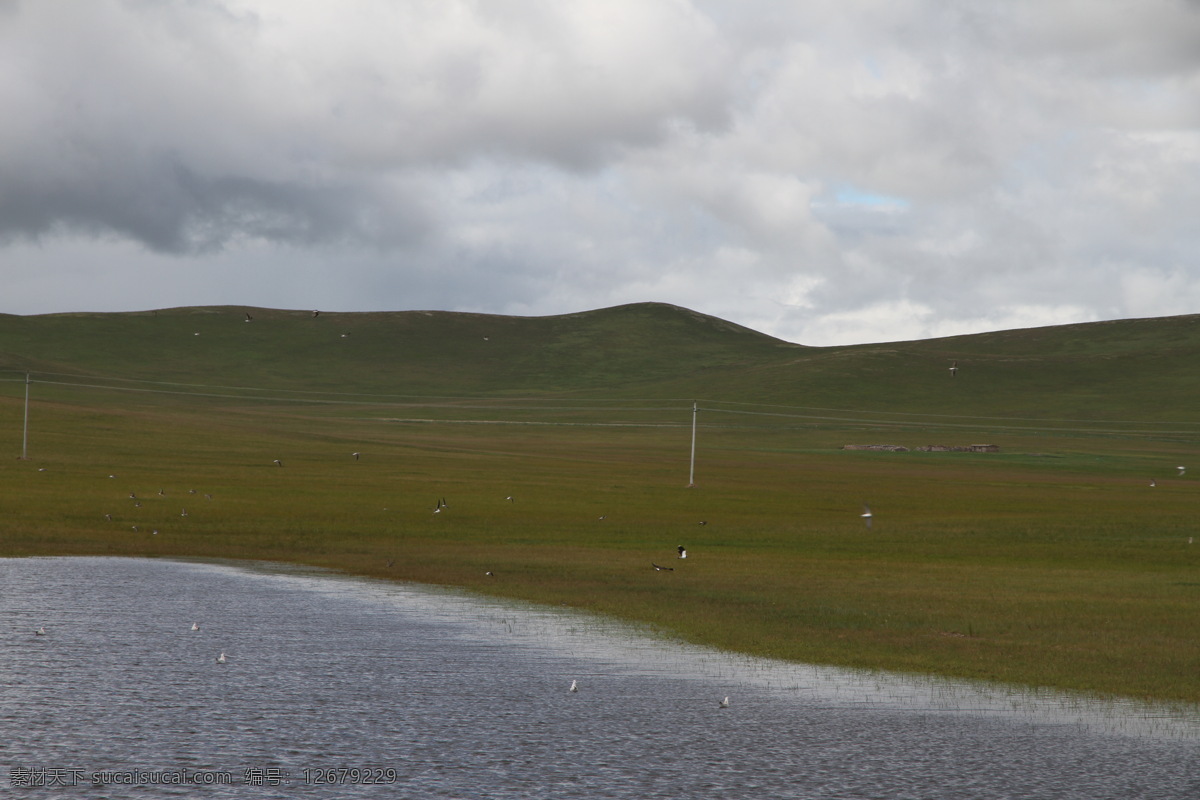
(828,172)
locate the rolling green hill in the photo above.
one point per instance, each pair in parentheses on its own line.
(1138,370)
(1068,559)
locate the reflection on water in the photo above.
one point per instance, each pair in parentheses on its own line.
(335,686)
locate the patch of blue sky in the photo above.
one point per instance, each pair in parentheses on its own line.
(851,195)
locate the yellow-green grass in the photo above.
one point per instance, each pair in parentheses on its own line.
(1052,563)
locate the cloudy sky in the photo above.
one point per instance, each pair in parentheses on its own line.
(829,172)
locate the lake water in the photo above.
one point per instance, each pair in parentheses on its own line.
(342,687)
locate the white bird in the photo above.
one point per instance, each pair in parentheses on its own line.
(195,626)
(183,513)
(954,370)
(248,317)
(724,703)
(1152,482)
(221,658)
(574,688)
(490,574)
(40,632)
(510,499)
(867,515)
(682,551)
(1181,470)
(356,455)
(277,463)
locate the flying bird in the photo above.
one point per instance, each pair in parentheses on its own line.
(248,317)
(867,515)
(510,499)
(1181,470)
(277,463)
(316,313)
(954,370)
(682,551)
(661,569)
(356,455)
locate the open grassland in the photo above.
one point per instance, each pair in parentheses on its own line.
(1052,563)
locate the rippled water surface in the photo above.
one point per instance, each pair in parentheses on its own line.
(423,693)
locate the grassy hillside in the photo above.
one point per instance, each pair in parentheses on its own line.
(1054,562)
(1137,370)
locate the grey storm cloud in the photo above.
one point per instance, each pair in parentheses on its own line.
(825,171)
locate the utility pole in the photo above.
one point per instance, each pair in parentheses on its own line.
(692,470)
(25,427)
